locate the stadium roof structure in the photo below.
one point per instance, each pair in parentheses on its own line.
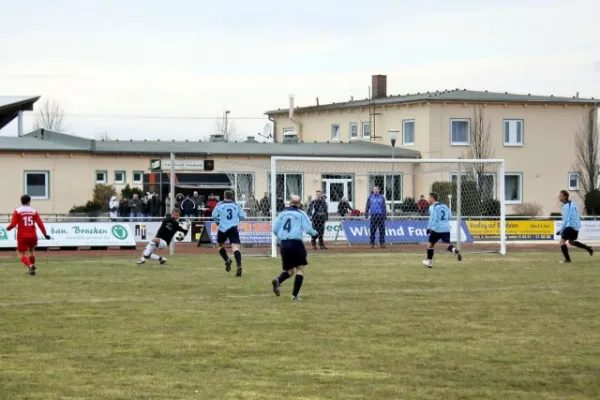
(11,105)
(446,96)
(48,141)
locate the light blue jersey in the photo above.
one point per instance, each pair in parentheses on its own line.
(291,224)
(439,218)
(227,214)
(570,217)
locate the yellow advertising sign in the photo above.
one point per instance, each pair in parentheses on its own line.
(515,230)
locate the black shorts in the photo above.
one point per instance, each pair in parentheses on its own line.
(435,237)
(293,254)
(231,234)
(569,234)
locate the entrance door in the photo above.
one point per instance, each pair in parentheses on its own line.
(336,190)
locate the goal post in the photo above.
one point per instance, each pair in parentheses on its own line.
(473,189)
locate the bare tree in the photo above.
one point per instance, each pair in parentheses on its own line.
(226,127)
(50,116)
(587,160)
(481,148)
(104,136)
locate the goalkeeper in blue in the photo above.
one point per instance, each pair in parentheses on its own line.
(438,228)
(289,228)
(569,230)
(227,215)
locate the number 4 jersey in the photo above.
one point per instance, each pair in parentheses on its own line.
(25,219)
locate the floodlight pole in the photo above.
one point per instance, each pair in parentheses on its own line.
(393,133)
(172,197)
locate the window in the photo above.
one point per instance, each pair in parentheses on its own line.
(513,187)
(574,181)
(289,131)
(335,131)
(101,177)
(366,130)
(388,185)
(37,184)
(487,182)
(120,177)
(244,186)
(459,132)
(138,177)
(513,132)
(288,185)
(408,133)
(353,130)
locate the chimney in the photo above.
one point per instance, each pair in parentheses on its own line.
(218,137)
(577,95)
(291,107)
(379,86)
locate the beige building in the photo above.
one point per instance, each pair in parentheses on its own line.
(60,170)
(534,134)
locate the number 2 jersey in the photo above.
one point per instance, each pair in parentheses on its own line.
(439,218)
(168,229)
(25,219)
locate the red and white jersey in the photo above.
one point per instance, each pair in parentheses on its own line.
(25,219)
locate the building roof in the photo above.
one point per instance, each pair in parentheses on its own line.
(48,141)
(11,105)
(456,95)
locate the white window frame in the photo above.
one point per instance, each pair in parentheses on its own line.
(468,175)
(286,197)
(102,181)
(353,125)
(404,141)
(137,181)
(335,128)
(578,177)
(397,200)
(120,181)
(363,130)
(520,175)
(47,191)
(509,143)
(468,142)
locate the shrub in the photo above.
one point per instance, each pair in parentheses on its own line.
(592,202)
(491,208)
(409,205)
(127,192)
(528,210)
(102,194)
(90,208)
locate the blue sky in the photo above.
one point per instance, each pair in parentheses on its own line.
(197,58)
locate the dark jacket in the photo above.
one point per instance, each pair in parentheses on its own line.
(188,207)
(318,210)
(343,208)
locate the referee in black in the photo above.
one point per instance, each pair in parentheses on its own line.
(318,212)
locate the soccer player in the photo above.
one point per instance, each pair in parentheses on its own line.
(164,236)
(289,228)
(376,209)
(569,230)
(25,219)
(227,215)
(438,228)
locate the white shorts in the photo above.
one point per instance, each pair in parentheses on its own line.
(162,244)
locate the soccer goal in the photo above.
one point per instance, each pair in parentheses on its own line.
(365,197)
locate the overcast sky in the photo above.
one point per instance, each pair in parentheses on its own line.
(107,59)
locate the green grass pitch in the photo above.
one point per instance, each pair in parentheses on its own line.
(371,326)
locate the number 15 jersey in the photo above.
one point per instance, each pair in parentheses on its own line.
(439,218)
(25,219)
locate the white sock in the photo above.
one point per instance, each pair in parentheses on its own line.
(149,250)
(154,257)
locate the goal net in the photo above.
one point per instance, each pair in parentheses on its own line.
(359,204)
(472,189)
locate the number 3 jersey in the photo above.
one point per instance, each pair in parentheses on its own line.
(439,218)
(25,219)
(227,214)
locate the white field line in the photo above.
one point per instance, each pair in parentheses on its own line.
(550,287)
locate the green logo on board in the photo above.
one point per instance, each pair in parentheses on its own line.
(3,234)
(120,232)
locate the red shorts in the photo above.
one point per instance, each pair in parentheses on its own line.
(24,244)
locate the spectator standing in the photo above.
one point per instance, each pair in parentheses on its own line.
(124,209)
(135,206)
(265,205)
(113,208)
(422,205)
(252,206)
(318,212)
(188,206)
(343,207)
